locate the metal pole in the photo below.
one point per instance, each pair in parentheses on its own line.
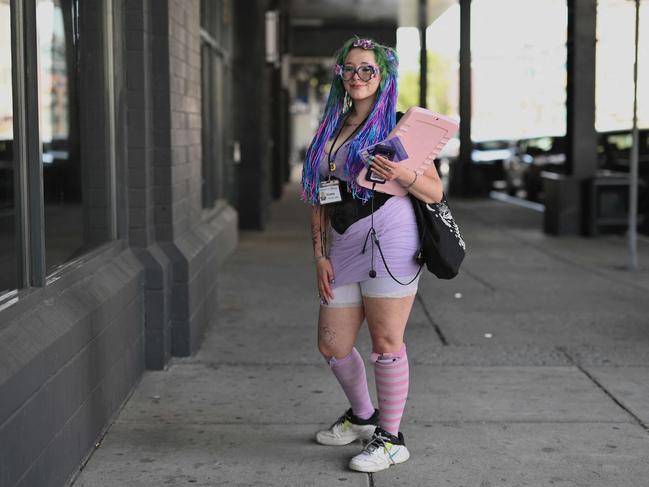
(423,56)
(633,169)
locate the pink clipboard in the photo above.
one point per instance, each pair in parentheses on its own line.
(423,134)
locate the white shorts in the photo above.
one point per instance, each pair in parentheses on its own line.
(351,295)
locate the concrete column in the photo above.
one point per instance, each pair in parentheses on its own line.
(565,206)
(459,183)
(580,100)
(252,83)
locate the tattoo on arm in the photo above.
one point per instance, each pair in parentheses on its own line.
(315,235)
(319,230)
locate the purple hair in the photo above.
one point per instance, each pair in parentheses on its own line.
(380,122)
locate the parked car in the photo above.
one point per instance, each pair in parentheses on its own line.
(529,158)
(487,158)
(614,151)
(533,156)
(614,154)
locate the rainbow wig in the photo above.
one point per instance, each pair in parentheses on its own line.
(381,120)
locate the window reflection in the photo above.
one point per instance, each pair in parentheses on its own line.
(8,247)
(72,118)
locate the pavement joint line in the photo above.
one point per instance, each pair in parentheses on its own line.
(561,258)
(636,418)
(371,479)
(436,327)
(515,200)
(149,422)
(422,362)
(482,281)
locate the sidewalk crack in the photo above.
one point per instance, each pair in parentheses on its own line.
(471,274)
(435,326)
(636,418)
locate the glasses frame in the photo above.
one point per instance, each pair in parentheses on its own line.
(340,70)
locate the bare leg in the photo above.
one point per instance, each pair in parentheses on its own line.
(386,320)
(338,329)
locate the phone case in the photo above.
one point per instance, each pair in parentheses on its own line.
(422,134)
(386,151)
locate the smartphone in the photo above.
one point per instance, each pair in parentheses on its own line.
(386,151)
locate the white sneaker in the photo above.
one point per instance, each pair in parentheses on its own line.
(382,451)
(348,428)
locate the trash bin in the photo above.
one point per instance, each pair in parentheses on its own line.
(606,203)
(561,196)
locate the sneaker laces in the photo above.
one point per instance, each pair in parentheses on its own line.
(340,421)
(377,441)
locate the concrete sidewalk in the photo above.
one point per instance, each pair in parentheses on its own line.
(531,368)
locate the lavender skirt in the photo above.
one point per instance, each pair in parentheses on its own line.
(396,229)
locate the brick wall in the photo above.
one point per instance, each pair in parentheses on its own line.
(139,128)
(185,92)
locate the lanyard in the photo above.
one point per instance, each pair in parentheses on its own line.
(331,157)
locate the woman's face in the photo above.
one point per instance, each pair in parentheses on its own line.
(356,87)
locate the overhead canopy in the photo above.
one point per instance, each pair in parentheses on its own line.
(319,26)
(408,11)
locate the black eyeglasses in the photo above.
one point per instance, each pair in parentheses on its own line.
(365,72)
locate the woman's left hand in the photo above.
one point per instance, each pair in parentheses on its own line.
(389,170)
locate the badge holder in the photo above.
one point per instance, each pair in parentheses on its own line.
(330,192)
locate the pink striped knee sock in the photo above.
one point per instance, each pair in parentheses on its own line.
(350,372)
(392,380)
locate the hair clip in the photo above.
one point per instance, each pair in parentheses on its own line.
(363,43)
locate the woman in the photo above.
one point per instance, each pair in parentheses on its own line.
(353,282)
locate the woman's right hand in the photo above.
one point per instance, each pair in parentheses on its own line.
(325,277)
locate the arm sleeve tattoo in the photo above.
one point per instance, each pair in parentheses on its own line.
(318,231)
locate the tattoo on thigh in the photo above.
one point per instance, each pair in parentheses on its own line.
(327,335)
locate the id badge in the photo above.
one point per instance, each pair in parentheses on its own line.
(330,192)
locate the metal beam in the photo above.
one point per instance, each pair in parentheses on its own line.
(460,169)
(423,54)
(28,155)
(633,169)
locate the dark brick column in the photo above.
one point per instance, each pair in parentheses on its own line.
(252,83)
(144,94)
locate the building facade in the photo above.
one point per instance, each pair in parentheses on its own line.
(128,129)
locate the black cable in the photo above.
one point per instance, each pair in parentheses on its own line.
(375,240)
(388,269)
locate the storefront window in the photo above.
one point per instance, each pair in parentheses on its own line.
(8,216)
(73,128)
(215,36)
